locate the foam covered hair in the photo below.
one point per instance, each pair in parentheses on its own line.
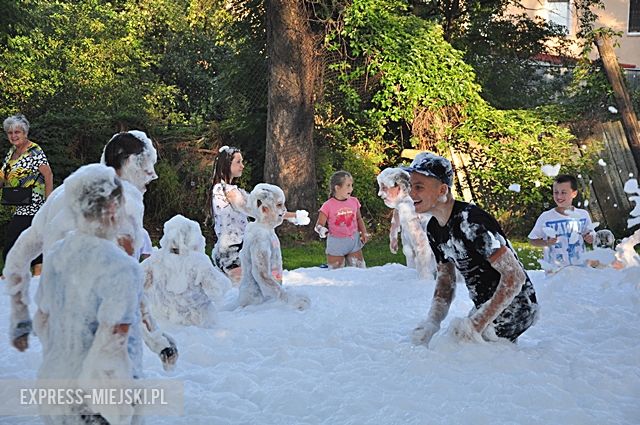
(182,235)
(433,165)
(391,177)
(86,190)
(149,149)
(265,193)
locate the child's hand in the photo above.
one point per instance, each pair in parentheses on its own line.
(300,219)
(551,241)
(321,231)
(169,355)
(21,335)
(364,237)
(588,238)
(393,245)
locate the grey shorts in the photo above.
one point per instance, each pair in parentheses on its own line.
(340,247)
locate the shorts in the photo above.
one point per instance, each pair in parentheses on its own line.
(514,321)
(228,257)
(341,247)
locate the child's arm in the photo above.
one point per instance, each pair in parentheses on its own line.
(157,341)
(543,242)
(320,228)
(238,200)
(298,217)
(589,231)
(393,232)
(364,237)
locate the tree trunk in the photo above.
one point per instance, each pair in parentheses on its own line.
(621,94)
(290,157)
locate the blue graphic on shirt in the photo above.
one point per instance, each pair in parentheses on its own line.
(567,250)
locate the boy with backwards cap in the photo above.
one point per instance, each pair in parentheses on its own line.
(465,237)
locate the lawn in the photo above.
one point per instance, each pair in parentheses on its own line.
(376,253)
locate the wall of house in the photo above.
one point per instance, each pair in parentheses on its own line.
(615,15)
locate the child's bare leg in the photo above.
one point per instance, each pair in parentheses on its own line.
(335,262)
(355,259)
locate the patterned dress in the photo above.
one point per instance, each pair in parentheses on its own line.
(24,172)
(229,225)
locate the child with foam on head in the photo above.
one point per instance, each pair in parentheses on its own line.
(230,212)
(602,255)
(395,186)
(180,282)
(89,295)
(340,221)
(563,230)
(261,256)
(132,155)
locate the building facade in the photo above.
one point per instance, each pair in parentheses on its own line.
(620,15)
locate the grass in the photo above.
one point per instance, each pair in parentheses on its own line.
(308,254)
(376,253)
(297,254)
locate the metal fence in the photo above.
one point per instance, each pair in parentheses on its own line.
(633,78)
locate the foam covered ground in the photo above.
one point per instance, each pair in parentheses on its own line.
(349,359)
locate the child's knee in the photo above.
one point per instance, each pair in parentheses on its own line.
(336,263)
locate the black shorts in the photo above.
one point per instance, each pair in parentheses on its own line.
(228,257)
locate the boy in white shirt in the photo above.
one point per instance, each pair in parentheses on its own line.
(563,230)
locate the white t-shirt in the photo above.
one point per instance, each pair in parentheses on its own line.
(569,229)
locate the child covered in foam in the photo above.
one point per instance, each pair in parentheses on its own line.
(261,256)
(181,283)
(394,190)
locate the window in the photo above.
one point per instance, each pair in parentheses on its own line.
(559,13)
(634,16)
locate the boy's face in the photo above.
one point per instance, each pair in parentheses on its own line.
(139,171)
(389,195)
(563,194)
(425,192)
(273,211)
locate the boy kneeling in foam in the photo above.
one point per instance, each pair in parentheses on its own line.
(261,256)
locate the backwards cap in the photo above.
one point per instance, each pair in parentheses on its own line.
(432,165)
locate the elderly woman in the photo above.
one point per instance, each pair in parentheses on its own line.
(25,166)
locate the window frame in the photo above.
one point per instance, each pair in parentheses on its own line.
(637,24)
(569,17)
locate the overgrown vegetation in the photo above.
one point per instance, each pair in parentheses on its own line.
(399,74)
(433,102)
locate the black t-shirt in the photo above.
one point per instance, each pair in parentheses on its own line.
(468,239)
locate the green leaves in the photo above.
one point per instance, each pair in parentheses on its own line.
(400,75)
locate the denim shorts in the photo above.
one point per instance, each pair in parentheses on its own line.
(340,247)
